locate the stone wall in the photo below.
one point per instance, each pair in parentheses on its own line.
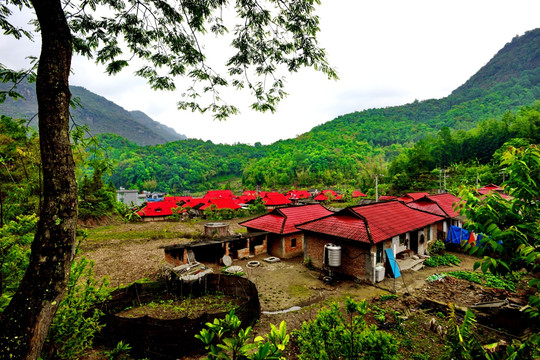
(172,339)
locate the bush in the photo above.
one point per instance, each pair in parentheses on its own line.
(332,336)
(76,323)
(235,343)
(437,247)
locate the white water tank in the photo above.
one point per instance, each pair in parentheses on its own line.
(333,254)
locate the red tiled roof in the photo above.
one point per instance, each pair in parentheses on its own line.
(357,193)
(158,208)
(389,219)
(343,226)
(194,202)
(418,195)
(177,198)
(224,203)
(243,199)
(427,205)
(491,187)
(218,194)
(447,202)
(284,220)
(408,197)
(275,199)
(323,196)
(387,197)
(298,194)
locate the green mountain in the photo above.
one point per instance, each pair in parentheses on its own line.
(348,150)
(98,113)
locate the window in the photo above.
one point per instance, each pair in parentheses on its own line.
(402,239)
(379,253)
(429,233)
(293,243)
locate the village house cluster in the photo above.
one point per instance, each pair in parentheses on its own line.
(361,234)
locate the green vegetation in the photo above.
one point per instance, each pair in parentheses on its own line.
(15,239)
(512,225)
(486,279)
(133,232)
(186,307)
(19,170)
(333,335)
(77,321)
(224,339)
(442,260)
(406,143)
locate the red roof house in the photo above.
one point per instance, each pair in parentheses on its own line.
(408,197)
(363,232)
(443,205)
(284,239)
(273,200)
(218,194)
(328,194)
(357,193)
(493,188)
(177,199)
(158,210)
(298,194)
(221,203)
(387,197)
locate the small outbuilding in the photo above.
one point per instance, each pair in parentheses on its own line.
(283,238)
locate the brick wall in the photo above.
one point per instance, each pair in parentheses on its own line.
(274,246)
(354,255)
(290,251)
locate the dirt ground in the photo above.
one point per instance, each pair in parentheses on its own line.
(281,285)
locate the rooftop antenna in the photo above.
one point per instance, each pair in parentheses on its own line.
(377,187)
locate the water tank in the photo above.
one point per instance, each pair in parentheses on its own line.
(333,254)
(216,229)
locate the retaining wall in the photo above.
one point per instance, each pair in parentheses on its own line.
(172,339)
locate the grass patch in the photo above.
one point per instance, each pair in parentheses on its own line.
(190,307)
(485,279)
(132,232)
(298,290)
(442,260)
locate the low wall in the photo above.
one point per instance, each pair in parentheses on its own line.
(172,339)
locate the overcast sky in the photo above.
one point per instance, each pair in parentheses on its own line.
(387,52)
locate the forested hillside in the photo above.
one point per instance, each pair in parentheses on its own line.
(349,150)
(97,113)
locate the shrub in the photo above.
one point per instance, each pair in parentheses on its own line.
(437,247)
(332,336)
(235,343)
(76,323)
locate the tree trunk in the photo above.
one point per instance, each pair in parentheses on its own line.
(26,320)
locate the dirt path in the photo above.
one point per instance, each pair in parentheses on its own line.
(281,285)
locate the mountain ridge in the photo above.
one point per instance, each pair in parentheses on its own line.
(97,112)
(348,147)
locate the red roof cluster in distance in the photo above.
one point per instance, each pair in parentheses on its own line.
(225,199)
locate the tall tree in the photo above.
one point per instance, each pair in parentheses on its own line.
(268,37)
